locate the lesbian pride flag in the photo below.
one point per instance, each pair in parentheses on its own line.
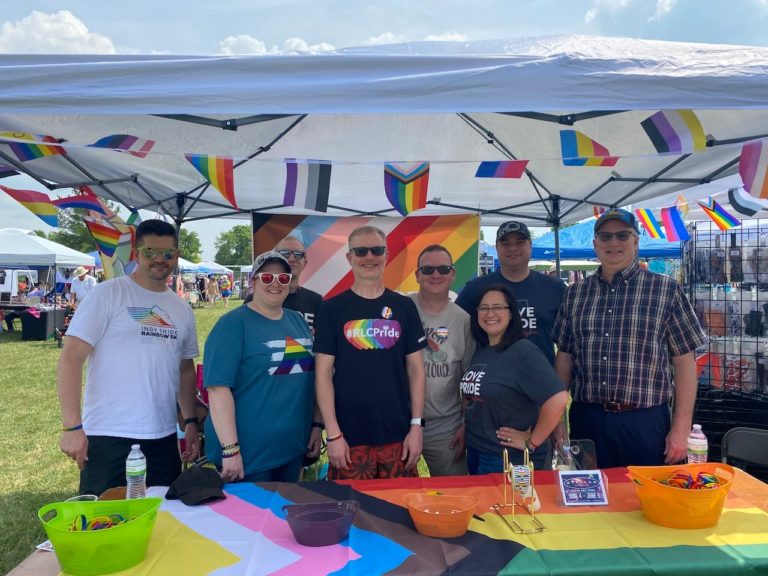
(753,166)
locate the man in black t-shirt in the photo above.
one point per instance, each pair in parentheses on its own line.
(369,371)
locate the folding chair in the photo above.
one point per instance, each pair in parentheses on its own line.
(746,444)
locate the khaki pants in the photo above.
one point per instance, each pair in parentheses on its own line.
(439,455)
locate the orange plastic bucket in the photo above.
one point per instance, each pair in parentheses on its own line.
(679,507)
(441,515)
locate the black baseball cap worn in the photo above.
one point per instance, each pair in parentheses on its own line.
(197,485)
(510,227)
(621,215)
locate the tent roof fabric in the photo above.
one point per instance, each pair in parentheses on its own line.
(20,249)
(452,104)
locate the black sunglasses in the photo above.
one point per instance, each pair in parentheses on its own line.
(362,251)
(429,270)
(622,236)
(298,254)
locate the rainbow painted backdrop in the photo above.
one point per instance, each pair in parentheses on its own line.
(325,237)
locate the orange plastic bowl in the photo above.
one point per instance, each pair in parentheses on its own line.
(441,516)
(678,507)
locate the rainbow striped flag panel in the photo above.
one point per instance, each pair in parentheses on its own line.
(37,145)
(327,270)
(307,184)
(106,237)
(649,222)
(744,203)
(719,215)
(675,132)
(753,167)
(682,206)
(578,149)
(406,185)
(125,143)
(673,224)
(84,201)
(501,169)
(218,170)
(37,203)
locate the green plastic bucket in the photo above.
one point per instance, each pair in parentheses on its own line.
(94,552)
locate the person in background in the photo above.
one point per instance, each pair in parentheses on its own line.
(226,291)
(139,340)
(259,373)
(446,357)
(513,397)
(36,292)
(370,370)
(623,334)
(212,291)
(82,284)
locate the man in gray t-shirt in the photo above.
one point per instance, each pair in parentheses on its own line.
(448,353)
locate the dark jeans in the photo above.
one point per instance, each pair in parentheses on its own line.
(286,473)
(10,316)
(105,467)
(486,463)
(633,438)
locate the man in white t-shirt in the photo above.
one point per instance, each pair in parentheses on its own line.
(82,284)
(139,339)
(446,357)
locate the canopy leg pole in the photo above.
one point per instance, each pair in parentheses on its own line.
(556,222)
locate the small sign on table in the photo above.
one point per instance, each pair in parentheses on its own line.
(583,488)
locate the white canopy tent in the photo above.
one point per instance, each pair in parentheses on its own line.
(20,248)
(453,104)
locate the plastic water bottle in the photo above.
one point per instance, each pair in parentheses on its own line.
(136,473)
(697,446)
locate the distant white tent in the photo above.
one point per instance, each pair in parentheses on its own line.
(186,266)
(208,267)
(20,248)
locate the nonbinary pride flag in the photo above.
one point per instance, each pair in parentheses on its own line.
(406,185)
(307,184)
(578,149)
(501,169)
(37,203)
(753,166)
(675,131)
(649,222)
(673,224)
(719,215)
(218,170)
(126,143)
(39,145)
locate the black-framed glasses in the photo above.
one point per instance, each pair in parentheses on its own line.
(496,309)
(429,270)
(362,251)
(621,236)
(152,253)
(298,254)
(266,278)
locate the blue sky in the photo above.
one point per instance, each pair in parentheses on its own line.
(279,26)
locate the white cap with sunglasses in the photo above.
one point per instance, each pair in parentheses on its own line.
(267,257)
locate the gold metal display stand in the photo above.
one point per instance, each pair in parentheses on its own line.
(520,479)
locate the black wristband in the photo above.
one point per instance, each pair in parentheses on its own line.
(318,425)
(192,420)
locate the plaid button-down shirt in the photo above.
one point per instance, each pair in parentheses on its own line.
(621,336)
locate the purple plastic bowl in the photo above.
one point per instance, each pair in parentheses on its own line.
(321,523)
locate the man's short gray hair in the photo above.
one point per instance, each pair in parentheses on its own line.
(360,230)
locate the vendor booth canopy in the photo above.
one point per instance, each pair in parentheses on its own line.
(207,267)
(451,104)
(20,248)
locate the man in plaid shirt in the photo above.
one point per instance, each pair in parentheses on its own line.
(623,335)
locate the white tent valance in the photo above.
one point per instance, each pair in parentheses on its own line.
(18,248)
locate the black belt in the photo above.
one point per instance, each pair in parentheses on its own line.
(618,407)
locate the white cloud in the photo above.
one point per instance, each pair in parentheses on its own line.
(59,33)
(449,37)
(246,44)
(385,38)
(663,7)
(605,6)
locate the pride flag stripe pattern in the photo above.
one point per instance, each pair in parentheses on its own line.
(649,222)
(578,149)
(501,169)
(675,131)
(719,215)
(125,143)
(307,184)
(406,185)
(154,316)
(598,211)
(219,171)
(37,203)
(104,235)
(673,224)
(753,167)
(39,145)
(6,171)
(84,201)
(744,203)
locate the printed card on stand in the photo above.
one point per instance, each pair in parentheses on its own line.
(583,488)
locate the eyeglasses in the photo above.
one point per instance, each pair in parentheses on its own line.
(152,253)
(267,278)
(496,309)
(429,270)
(298,254)
(362,251)
(622,236)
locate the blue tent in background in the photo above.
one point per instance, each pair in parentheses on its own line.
(576,242)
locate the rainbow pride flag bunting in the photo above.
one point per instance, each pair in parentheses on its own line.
(578,149)
(39,145)
(682,206)
(675,131)
(104,235)
(649,222)
(125,143)
(83,201)
(719,215)
(218,171)
(744,203)
(406,185)
(673,224)
(37,203)
(501,169)
(753,167)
